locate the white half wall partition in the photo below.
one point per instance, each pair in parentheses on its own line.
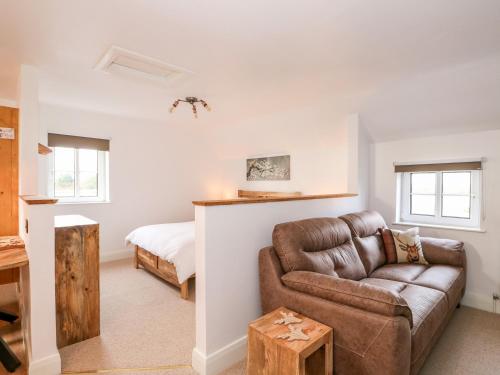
(36,228)
(229,236)
(228,240)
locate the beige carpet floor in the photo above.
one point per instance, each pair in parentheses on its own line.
(469,346)
(144,323)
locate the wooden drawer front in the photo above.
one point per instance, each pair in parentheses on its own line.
(147,258)
(168,269)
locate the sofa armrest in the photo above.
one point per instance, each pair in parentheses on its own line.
(443,251)
(348,292)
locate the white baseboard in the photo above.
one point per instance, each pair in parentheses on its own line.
(198,361)
(478,301)
(221,359)
(50,365)
(116,255)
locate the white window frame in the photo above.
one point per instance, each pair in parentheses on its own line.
(404,204)
(102,179)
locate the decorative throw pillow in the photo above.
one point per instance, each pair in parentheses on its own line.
(389,245)
(408,246)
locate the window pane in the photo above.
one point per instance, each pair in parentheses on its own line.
(456,206)
(64,172)
(87,160)
(423,204)
(456,183)
(64,184)
(88,184)
(64,159)
(423,183)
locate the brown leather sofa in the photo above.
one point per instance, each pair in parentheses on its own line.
(386,317)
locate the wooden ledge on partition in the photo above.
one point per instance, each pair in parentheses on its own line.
(225,202)
(38,199)
(43,150)
(266,194)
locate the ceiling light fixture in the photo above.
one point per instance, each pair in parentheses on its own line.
(191,100)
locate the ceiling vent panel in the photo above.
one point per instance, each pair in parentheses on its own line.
(132,64)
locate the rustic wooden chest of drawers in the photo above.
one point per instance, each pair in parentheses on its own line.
(77,279)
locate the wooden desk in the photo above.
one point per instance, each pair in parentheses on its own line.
(12,257)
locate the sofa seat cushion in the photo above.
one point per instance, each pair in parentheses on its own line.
(447,279)
(404,272)
(429,309)
(393,286)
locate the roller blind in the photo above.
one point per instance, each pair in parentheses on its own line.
(437,167)
(62,140)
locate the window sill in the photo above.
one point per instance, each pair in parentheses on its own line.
(447,227)
(81,203)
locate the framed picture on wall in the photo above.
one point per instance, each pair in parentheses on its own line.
(271,168)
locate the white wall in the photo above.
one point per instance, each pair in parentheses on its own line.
(158,168)
(483,249)
(39,285)
(29,125)
(39,319)
(316,138)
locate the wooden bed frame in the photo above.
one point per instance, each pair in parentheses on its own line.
(166,270)
(161,268)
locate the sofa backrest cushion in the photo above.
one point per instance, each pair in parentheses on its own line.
(366,237)
(322,245)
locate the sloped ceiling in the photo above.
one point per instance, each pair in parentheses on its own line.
(409,67)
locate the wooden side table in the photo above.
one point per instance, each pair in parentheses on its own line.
(270,355)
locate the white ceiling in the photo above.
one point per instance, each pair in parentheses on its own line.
(405,65)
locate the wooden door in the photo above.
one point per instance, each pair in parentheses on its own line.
(9,181)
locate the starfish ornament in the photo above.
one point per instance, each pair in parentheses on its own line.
(295,333)
(287,319)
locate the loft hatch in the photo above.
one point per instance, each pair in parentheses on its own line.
(124,62)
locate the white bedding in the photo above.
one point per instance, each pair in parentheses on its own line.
(173,242)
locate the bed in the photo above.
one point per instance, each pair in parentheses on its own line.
(166,250)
